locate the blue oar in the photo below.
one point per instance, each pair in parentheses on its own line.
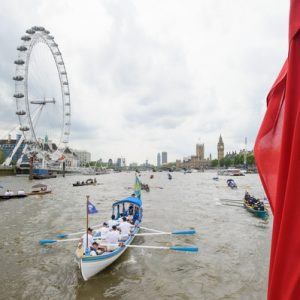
(174,248)
(176,232)
(64,235)
(190,231)
(44,242)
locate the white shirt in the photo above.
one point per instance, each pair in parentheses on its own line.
(125,228)
(104,231)
(7,193)
(90,241)
(111,223)
(112,237)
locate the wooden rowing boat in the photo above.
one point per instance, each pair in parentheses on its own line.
(87,182)
(262,214)
(39,192)
(91,265)
(7,197)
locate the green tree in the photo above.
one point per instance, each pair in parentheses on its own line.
(2,156)
(214,163)
(250,160)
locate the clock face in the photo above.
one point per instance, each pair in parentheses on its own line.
(221,147)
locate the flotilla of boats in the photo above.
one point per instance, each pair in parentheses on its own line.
(92,262)
(95,253)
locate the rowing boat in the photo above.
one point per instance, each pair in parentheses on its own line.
(91,265)
(88,182)
(262,214)
(7,197)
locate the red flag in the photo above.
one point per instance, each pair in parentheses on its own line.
(277,154)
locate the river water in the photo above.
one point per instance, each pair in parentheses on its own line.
(232,262)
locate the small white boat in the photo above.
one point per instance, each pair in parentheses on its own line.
(91,265)
(231,172)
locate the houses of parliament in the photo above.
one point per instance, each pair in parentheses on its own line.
(199,161)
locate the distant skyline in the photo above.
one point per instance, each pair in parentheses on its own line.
(152,75)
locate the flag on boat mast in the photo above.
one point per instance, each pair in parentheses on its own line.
(277,149)
(91,208)
(137,187)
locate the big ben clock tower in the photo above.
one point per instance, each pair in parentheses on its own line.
(220,148)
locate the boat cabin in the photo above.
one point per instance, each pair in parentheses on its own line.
(128,206)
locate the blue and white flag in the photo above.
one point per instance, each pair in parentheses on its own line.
(91,208)
(137,187)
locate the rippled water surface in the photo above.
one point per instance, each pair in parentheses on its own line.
(234,246)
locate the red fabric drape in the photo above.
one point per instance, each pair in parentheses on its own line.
(277,154)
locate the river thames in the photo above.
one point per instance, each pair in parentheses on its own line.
(233,257)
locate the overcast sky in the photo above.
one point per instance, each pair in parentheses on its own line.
(152,76)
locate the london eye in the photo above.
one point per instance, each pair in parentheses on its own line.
(42,94)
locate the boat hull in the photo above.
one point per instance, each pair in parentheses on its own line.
(262,214)
(92,265)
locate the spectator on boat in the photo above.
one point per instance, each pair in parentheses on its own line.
(130,210)
(112,222)
(125,229)
(21,193)
(136,215)
(7,193)
(87,237)
(112,239)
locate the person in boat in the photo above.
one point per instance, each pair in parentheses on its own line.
(247,196)
(130,209)
(136,216)
(82,182)
(7,193)
(87,237)
(21,193)
(261,206)
(112,239)
(125,229)
(97,249)
(130,213)
(112,222)
(103,230)
(121,219)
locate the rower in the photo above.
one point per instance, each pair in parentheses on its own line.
(112,222)
(112,239)
(21,193)
(7,193)
(104,230)
(125,228)
(89,238)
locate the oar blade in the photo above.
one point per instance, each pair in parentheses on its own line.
(185,248)
(44,242)
(190,231)
(62,235)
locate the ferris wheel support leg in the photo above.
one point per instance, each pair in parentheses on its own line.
(8,160)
